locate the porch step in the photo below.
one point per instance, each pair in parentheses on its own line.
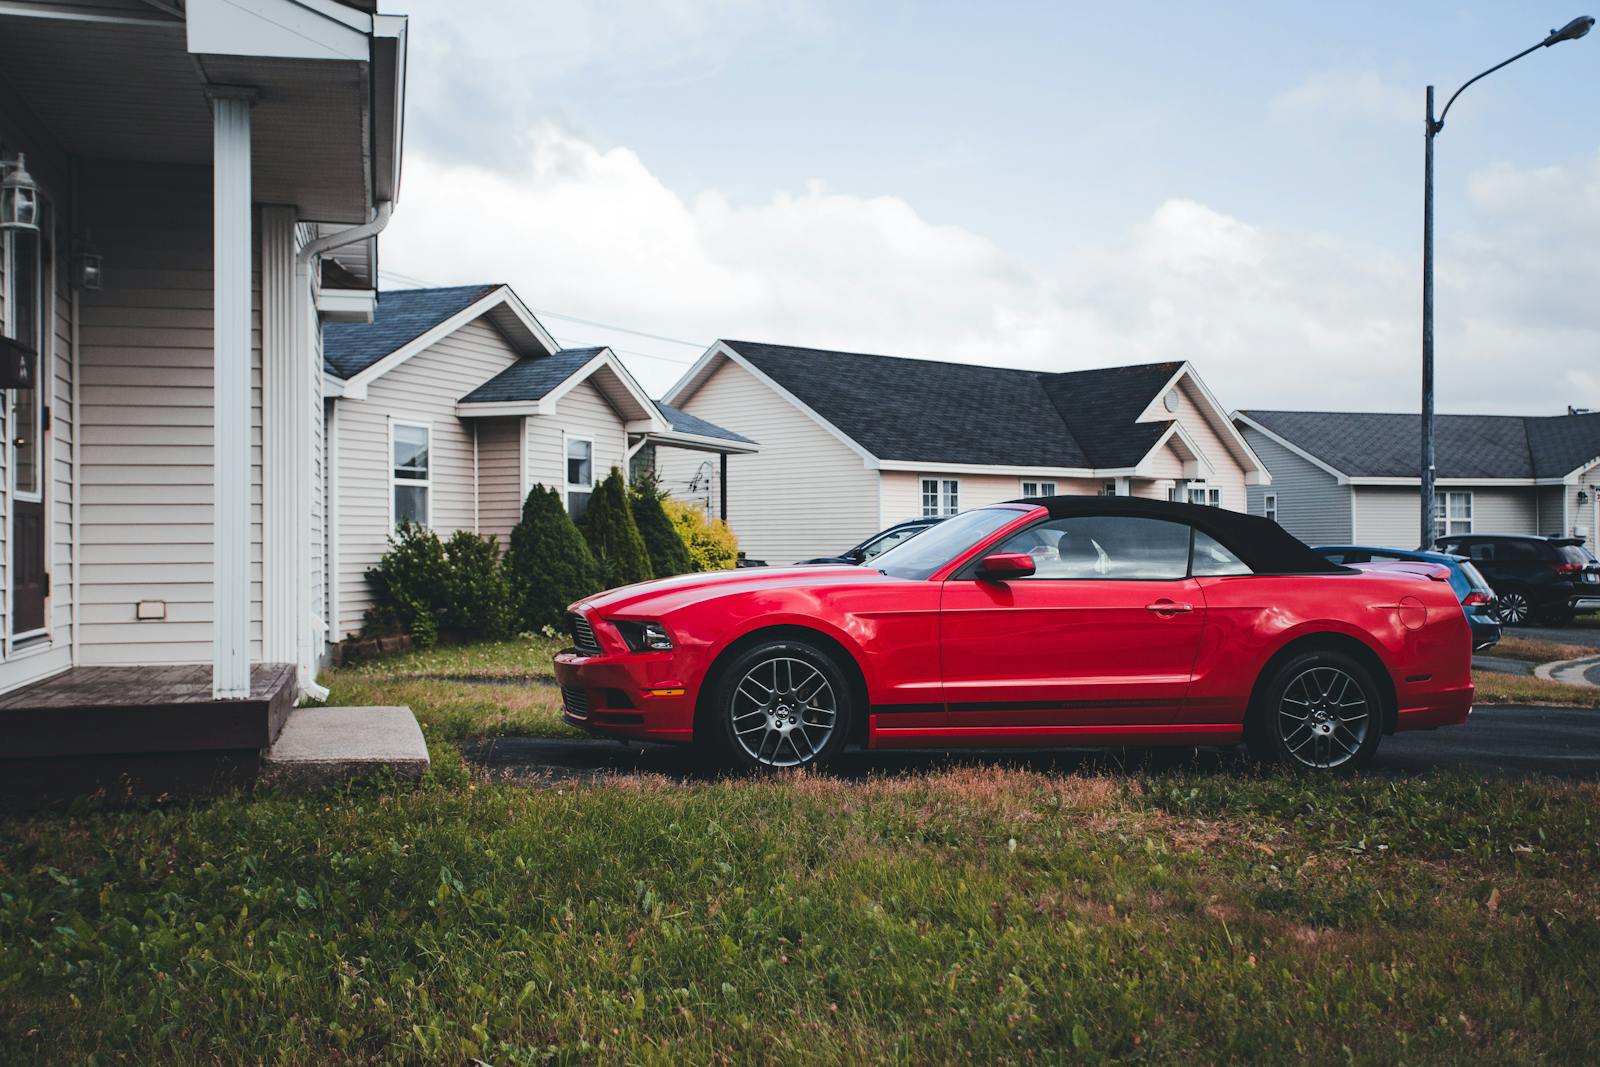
(326,746)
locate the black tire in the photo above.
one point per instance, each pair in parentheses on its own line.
(1322,684)
(780,704)
(1513,607)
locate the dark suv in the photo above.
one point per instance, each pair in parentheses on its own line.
(1545,579)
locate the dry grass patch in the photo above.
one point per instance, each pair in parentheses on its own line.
(1536,651)
(1496,688)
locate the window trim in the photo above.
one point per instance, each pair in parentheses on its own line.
(424,483)
(1443,521)
(566,486)
(1038,485)
(1269,506)
(946,494)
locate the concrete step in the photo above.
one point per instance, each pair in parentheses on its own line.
(326,746)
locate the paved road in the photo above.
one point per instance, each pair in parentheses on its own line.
(1561,635)
(1504,740)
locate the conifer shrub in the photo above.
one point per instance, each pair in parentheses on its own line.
(668,554)
(613,537)
(548,565)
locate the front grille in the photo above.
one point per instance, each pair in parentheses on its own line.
(582,635)
(575,700)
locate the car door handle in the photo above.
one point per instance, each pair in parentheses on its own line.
(1168,607)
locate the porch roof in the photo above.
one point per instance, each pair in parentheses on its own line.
(127,82)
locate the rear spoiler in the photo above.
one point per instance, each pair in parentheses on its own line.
(1436,572)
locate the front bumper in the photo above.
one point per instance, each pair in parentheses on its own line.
(641,695)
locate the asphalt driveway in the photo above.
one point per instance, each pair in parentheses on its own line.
(1499,740)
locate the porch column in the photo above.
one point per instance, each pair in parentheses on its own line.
(230,580)
(722,486)
(286,439)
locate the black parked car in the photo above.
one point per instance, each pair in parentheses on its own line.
(1543,579)
(879,542)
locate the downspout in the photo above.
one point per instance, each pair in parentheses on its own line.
(303,260)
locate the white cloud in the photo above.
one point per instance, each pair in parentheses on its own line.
(1358,95)
(1271,317)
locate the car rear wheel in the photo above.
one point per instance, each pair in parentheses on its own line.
(777,705)
(1512,607)
(1321,711)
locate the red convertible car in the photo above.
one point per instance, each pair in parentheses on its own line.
(1067,621)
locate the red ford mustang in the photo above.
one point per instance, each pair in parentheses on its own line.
(1062,622)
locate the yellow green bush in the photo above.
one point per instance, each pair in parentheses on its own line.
(711,544)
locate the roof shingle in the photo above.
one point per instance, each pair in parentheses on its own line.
(402,315)
(530,379)
(928,411)
(1384,445)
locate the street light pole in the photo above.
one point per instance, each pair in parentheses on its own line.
(1427,331)
(1570,32)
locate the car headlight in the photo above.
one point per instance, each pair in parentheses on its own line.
(644,636)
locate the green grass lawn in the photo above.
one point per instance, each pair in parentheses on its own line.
(972,915)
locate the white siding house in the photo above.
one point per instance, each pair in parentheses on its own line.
(175,149)
(449,407)
(852,443)
(1350,477)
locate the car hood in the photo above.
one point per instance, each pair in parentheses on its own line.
(668,594)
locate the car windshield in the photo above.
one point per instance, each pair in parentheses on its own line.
(933,548)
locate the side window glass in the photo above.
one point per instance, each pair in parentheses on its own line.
(1104,547)
(886,542)
(1211,558)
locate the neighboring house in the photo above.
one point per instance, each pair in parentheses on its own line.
(451,405)
(852,443)
(160,497)
(1351,477)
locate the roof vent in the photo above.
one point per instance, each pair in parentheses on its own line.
(1172,400)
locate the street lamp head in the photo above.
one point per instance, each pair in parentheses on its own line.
(1571,31)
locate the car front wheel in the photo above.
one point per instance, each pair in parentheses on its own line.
(1319,712)
(779,704)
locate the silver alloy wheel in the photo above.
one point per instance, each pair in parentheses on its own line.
(1512,608)
(1324,717)
(783,711)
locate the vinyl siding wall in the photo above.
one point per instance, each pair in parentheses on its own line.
(42,657)
(902,492)
(1584,519)
(1389,515)
(1312,504)
(499,479)
(1226,472)
(424,389)
(146,462)
(582,412)
(804,493)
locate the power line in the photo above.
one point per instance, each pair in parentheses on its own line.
(571,342)
(547,313)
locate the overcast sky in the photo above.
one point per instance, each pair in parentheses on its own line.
(1051,185)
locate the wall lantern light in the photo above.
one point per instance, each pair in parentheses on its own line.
(87,269)
(19,196)
(1583,497)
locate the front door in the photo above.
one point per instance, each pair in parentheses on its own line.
(1105,631)
(27,268)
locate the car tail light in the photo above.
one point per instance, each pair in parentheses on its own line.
(1475,598)
(1568,568)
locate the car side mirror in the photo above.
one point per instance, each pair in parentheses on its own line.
(856,555)
(1002,565)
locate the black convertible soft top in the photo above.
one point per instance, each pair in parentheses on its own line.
(1263,545)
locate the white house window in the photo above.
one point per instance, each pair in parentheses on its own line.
(411,447)
(580,475)
(940,496)
(1270,504)
(1452,514)
(1108,488)
(1038,488)
(1199,494)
